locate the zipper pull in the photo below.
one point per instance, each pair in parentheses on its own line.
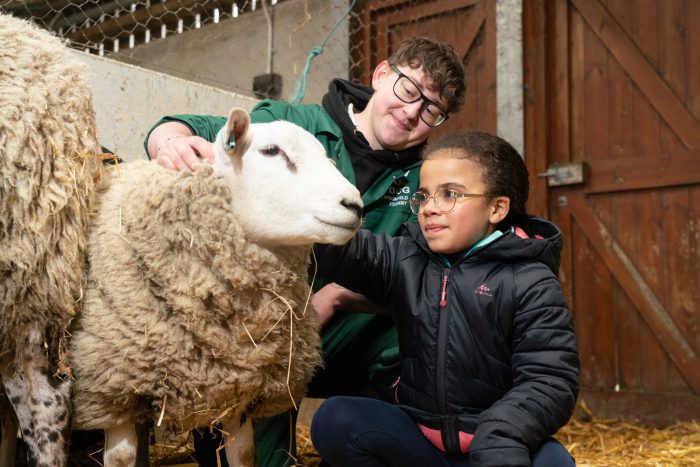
(443,301)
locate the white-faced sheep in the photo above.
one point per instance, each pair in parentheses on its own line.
(197,304)
(196,307)
(48,149)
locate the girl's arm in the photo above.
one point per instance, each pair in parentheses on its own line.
(364,266)
(545,367)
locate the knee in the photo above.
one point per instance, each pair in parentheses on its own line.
(552,453)
(332,424)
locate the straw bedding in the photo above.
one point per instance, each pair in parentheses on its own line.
(592,441)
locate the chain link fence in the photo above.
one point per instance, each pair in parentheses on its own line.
(254,47)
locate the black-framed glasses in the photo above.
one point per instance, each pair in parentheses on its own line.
(444,199)
(407,91)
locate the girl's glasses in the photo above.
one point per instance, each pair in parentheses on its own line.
(444,199)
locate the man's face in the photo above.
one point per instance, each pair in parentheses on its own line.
(396,125)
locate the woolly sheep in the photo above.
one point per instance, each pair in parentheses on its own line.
(197,304)
(48,149)
(196,307)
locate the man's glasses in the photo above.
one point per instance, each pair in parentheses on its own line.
(444,199)
(407,91)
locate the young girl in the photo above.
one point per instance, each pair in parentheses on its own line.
(490,366)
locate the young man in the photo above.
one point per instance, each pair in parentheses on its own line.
(374,136)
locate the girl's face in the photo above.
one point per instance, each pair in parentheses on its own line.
(472,219)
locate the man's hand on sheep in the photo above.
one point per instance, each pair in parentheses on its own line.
(173,146)
(333,297)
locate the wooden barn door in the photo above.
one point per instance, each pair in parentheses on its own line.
(467,25)
(615,84)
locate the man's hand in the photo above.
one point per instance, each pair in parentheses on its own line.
(173,146)
(332,297)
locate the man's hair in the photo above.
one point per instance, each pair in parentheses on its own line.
(440,63)
(502,169)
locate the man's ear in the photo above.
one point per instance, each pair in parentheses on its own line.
(380,72)
(500,206)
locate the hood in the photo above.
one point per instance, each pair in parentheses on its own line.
(340,94)
(510,247)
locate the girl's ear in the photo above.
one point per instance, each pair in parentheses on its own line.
(380,72)
(500,206)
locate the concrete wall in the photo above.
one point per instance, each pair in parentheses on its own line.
(128,100)
(229,54)
(509,65)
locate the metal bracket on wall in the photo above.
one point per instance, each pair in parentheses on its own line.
(570,173)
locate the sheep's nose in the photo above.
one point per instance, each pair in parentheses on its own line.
(353,206)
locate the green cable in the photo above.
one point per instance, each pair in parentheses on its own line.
(300,88)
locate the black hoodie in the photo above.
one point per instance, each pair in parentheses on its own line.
(367,163)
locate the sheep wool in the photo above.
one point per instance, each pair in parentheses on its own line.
(48,168)
(185,320)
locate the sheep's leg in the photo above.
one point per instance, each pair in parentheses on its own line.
(240,446)
(8,433)
(42,406)
(121,443)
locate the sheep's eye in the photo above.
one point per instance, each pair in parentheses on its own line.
(271,150)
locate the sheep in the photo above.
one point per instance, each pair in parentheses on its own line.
(48,169)
(179,297)
(197,304)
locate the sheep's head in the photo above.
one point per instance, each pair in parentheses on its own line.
(285,190)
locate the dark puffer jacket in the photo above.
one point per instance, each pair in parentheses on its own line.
(487,343)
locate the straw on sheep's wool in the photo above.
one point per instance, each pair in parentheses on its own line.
(184,317)
(48,165)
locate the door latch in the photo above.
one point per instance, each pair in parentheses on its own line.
(570,173)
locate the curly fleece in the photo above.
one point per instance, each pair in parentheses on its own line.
(48,164)
(184,317)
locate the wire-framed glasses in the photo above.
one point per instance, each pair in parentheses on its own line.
(444,199)
(407,91)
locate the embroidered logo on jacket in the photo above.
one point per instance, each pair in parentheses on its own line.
(483,290)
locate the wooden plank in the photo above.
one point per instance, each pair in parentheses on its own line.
(656,90)
(671,66)
(681,292)
(695,219)
(693,57)
(577,100)
(621,94)
(361,51)
(599,283)
(627,332)
(641,173)
(486,66)
(638,291)
(650,409)
(558,88)
(651,256)
(647,128)
(534,101)
(597,99)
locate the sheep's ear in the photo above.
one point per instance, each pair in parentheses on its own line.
(237,130)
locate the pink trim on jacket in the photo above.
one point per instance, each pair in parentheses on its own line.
(435,437)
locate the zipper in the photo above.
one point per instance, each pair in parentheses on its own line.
(442,338)
(443,295)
